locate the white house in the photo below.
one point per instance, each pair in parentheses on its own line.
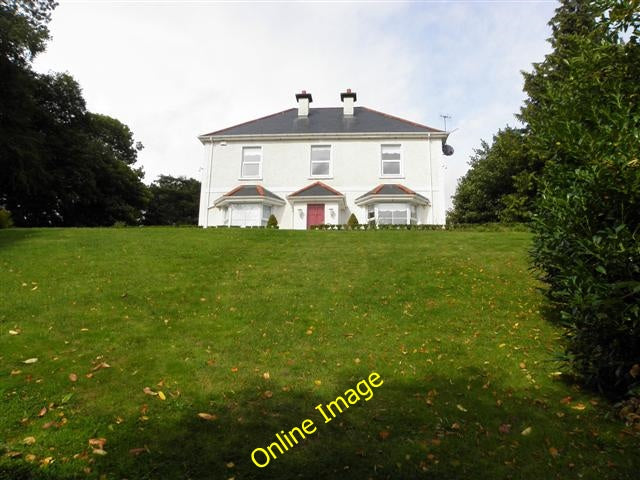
(311,166)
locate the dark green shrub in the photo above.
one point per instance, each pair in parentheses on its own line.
(5,218)
(352,223)
(583,115)
(589,251)
(272,222)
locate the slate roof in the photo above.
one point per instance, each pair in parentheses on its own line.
(317,189)
(392,189)
(326,120)
(251,191)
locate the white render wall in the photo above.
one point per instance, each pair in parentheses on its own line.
(355,165)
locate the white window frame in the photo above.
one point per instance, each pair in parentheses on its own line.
(401,161)
(395,208)
(265,216)
(234,209)
(259,163)
(311,162)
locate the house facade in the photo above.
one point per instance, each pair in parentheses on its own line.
(310,166)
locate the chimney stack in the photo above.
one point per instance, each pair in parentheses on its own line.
(348,98)
(303,99)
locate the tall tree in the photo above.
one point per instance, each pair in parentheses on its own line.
(500,183)
(60,164)
(174,201)
(583,113)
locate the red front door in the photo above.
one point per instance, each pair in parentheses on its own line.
(315,214)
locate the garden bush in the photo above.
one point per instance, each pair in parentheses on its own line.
(5,218)
(584,119)
(352,223)
(272,222)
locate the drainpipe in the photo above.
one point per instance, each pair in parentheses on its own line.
(206,215)
(431,180)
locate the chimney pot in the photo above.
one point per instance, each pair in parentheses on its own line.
(348,98)
(303,99)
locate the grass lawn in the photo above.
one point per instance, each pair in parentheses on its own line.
(256,328)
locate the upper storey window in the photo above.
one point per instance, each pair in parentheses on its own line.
(251,162)
(391,161)
(321,160)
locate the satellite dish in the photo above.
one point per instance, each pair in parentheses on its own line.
(447,149)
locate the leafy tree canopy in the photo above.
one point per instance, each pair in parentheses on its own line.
(174,201)
(500,185)
(60,164)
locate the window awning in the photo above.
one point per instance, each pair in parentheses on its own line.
(249,194)
(390,193)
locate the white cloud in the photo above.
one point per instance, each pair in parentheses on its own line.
(173,70)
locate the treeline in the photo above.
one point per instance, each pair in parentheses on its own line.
(61,165)
(573,173)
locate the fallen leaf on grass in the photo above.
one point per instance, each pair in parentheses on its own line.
(29,440)
(526,431)
(523,365)
(100,366)
(89,375)
(14,332)
(317,382)
(148,391)
(207,416)
(73,377)
(267,394)
(30,360)
(42,412)
(15,372)
(161,395)
(579,406)
(49,425)
(99,451)
(138,451)
(13,454)
(461,408)
(383,434)
(504,428)
(553,452)
(234,369)
(97,442)
(566,400)
(230,464)
(266,375)
(46,461)
(635,371)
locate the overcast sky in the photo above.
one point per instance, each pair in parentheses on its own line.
(172,70)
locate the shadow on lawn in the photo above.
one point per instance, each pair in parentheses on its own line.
(10,236)
(406,430)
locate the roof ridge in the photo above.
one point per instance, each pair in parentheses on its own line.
(404,189)
(231,192)
(415,124)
